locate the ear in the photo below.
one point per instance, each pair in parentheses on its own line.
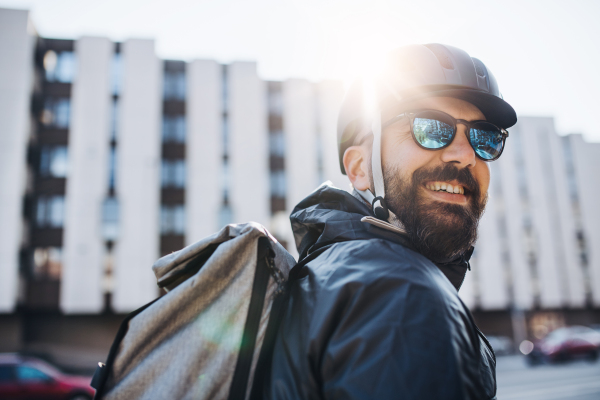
(355,162)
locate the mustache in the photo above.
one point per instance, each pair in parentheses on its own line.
(448,172)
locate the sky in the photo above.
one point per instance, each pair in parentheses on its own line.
(545,54)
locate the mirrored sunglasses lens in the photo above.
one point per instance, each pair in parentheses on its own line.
(486,140)
(432,133)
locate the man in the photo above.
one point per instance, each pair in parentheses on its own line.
(374,311)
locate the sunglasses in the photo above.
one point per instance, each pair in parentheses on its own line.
(435,130)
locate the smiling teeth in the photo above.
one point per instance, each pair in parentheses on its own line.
(446,187)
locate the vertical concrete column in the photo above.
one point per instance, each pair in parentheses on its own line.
(87,179)
(204,149)
(514,211)
(138,183)
(299,128)
(16,64)
(571,273)
(533,133)
(493,291)
(586,157)
(248,144)
(467,290)
(329,99)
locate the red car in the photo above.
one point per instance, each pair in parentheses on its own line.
(29,378)
(565,344)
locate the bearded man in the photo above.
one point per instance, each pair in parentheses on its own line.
(373,310)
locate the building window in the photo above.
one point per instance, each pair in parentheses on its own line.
(110,219)
(174,85)
(116,73)
(172,219)
(114,118)
(278,183)
(173,174)
(47,262)
(54,161)
(50,211)
(225,215)
(570,168)
(173,129)
(226,180)
(225,134)
(112,167)
(56,112)
(224,89)
(320,162)
(60,66)
(275,99)
(277,144)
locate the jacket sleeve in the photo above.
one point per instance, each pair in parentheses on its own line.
(382,337)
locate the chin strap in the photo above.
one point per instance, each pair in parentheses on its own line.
(376,200)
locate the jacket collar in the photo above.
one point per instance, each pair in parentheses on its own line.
(330,215)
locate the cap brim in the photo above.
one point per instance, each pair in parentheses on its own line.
(495,109)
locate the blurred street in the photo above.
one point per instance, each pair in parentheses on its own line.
(578,380)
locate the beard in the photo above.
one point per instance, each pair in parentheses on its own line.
(438,230)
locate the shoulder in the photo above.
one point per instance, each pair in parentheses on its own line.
(372,263)
(365,299)
(376,279)
(370,290)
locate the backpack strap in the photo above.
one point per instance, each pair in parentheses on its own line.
(263,367)
(239,383)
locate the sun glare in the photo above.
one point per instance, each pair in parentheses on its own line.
(358,51)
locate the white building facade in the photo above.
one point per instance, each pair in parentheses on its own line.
(16,85)
(131,157)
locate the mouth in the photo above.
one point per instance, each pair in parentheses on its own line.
(452,191)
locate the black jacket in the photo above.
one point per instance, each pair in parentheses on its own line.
(368,318)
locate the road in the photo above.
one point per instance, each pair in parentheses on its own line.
(578,380)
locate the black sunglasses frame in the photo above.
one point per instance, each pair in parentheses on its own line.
(411,115)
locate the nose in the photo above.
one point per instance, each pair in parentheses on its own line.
(460,150)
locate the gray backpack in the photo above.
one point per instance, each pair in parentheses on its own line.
(211,335)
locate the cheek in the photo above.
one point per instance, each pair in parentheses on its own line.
(404,155)
(481,172)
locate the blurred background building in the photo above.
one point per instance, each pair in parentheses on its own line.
(111,157)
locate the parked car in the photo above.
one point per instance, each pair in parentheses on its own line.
(502,345)
(565,344)
(23,377)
